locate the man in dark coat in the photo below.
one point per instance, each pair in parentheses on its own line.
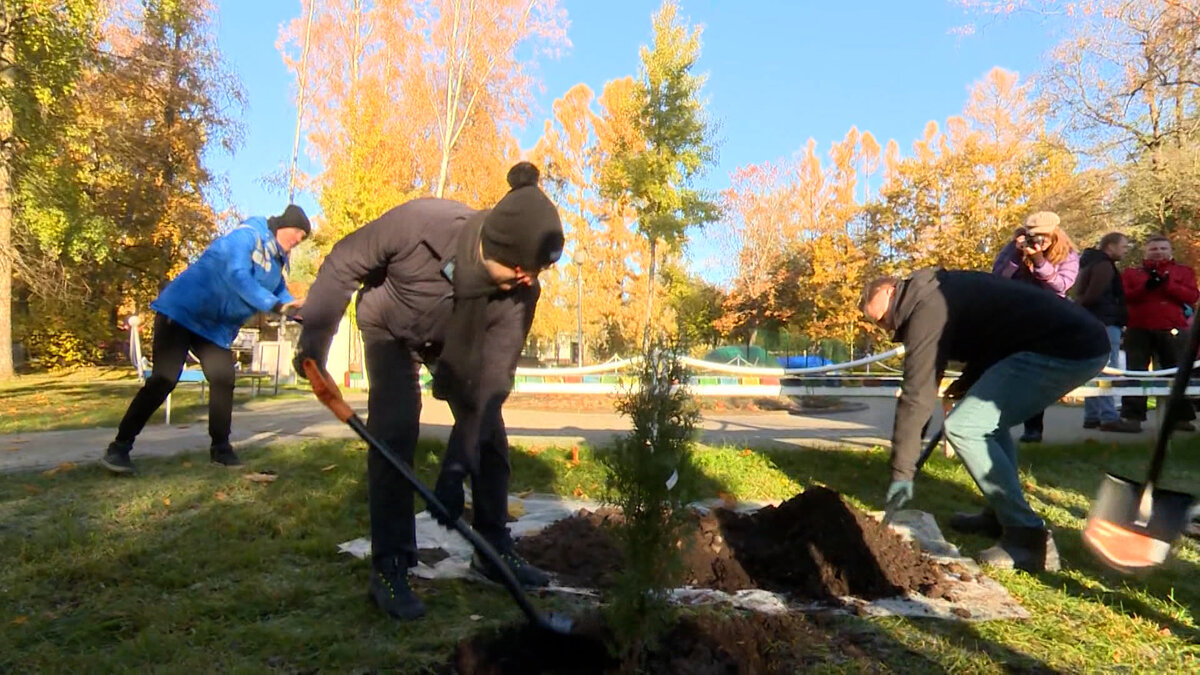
(455,288)
(1100,292)
(1022,350)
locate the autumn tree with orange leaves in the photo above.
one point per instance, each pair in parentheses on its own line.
(964,190)
(1126,81)
(605,253)
(415,98)
(125,198)
(801,259)
(812,233)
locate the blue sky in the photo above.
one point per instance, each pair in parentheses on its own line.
(779,72)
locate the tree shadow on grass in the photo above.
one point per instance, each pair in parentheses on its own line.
(196,568)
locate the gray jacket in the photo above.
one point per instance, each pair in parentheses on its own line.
(396,264)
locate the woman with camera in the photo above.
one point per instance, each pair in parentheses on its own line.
(1041,254)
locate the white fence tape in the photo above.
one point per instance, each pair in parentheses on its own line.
(712,367)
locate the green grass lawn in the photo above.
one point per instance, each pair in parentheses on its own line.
(189,568)
(97,397)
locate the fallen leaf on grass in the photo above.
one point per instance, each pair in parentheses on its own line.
(262,477)
(61,468)
(580,493)
(20,620)
(32,489)
(331,467)
(166,501)
(476,617)
(746,453)
(186,464)
(221,496)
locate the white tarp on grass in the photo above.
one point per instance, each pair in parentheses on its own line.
(980,599)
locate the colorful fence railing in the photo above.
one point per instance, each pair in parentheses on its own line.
(718,379)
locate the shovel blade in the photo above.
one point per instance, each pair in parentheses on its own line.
(1123,534)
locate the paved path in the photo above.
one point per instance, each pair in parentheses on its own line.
(269,421)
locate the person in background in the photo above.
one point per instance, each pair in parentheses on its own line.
(237,276)
(1041,254)
(1100,291)
(1160,293)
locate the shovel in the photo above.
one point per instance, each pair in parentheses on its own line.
(550,626)
(1132,525)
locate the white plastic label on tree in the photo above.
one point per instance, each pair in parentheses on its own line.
(673,479)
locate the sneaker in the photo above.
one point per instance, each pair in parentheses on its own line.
(223,455)
(1091,424)
(389,590)
(1031,437)
(527,575)
(116,458)
(1185,426)
(1122,426)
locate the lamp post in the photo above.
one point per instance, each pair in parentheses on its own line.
(579,258)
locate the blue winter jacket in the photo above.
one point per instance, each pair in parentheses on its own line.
(237,276)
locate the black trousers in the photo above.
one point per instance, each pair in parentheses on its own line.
(394,417)
(170,347)
(1142,346)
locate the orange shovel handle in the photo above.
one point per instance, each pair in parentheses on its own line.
(326,390)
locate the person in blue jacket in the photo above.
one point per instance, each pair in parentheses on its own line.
(201,310)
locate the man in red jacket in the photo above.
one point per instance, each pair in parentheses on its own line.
(1157,294)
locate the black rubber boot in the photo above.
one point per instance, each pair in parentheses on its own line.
(983,523)
(116,458)
(390,591)
(1030,549)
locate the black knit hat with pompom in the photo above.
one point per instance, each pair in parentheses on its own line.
(523,229)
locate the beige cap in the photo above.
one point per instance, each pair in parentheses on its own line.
(1042,222)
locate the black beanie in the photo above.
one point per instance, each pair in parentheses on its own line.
(292,216)
(523,229)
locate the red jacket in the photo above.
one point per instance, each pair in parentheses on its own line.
(1159,308)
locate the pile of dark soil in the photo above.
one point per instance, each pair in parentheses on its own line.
(814,546)
(701,644)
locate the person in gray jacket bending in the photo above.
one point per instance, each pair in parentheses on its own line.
(1041,348)
(455,288)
